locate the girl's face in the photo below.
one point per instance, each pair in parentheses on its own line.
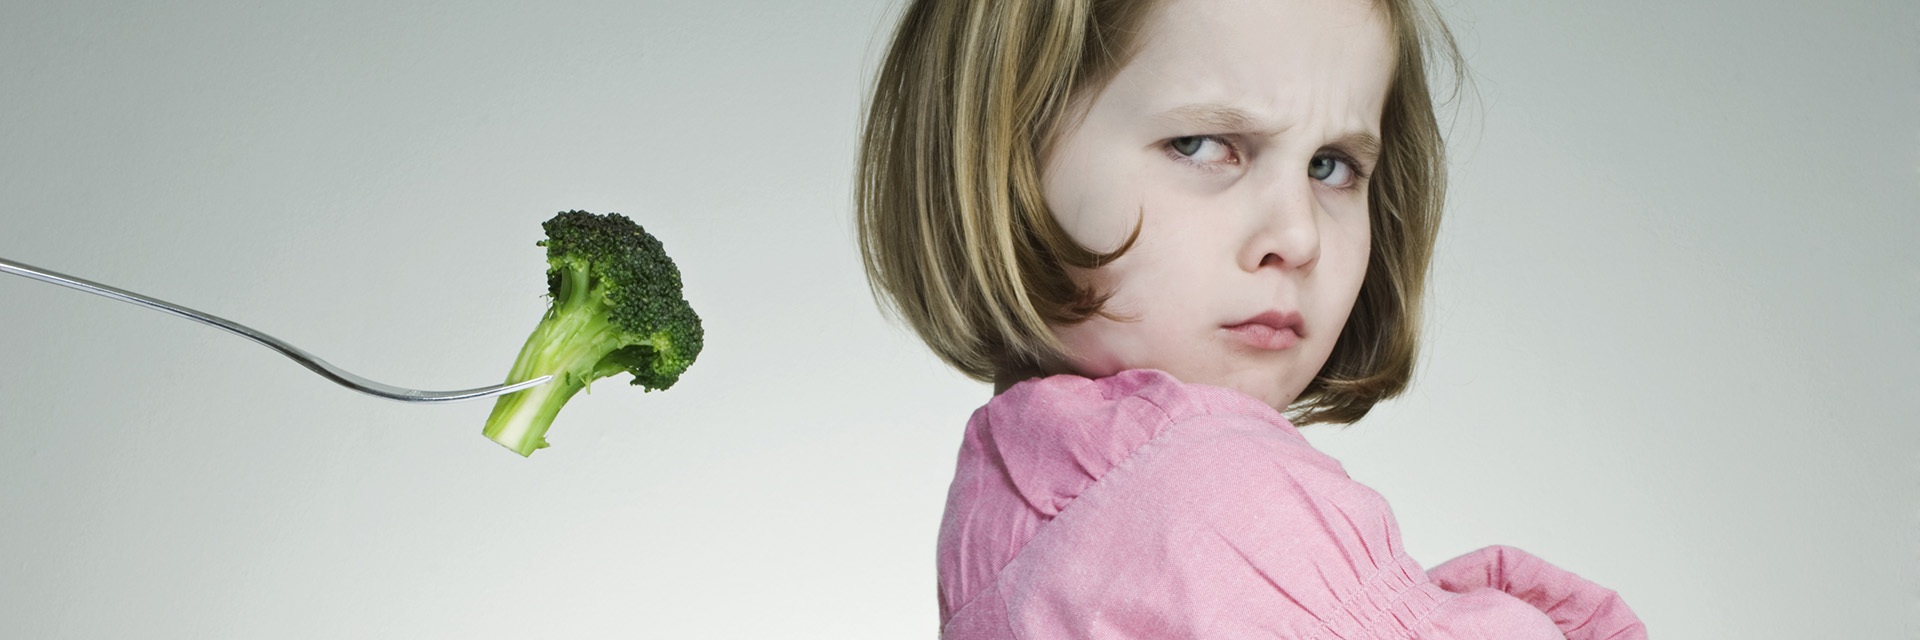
(1237,139)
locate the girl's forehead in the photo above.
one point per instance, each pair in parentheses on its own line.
(1272,57)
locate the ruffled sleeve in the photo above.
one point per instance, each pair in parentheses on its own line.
(1029,454)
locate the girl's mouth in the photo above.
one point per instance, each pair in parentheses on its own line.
(1271,330)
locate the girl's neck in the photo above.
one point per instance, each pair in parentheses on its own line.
(1006,379)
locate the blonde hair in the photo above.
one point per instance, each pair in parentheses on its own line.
(958,241)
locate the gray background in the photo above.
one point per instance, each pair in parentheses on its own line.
(1672,341)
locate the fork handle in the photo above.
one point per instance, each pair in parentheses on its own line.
(308,360)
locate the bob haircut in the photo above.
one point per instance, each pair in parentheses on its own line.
(956,236)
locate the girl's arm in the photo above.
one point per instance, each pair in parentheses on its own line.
(1581,609)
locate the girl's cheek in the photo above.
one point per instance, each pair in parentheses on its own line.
(1127,196)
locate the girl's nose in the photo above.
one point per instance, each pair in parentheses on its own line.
(1285,226)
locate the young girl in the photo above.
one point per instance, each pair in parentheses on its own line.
(1155,225)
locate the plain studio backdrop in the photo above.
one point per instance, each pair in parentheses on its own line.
(1672,343)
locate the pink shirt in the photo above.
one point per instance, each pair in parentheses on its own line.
(1136,506)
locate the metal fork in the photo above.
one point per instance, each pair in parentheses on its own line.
(305,359)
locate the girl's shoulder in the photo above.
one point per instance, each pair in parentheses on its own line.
(1056,436)
(1068,486)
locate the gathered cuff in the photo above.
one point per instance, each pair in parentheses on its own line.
(1390,604)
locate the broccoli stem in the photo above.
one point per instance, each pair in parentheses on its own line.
(568,344)
(520,420)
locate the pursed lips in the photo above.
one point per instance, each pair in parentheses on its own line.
(1271,330)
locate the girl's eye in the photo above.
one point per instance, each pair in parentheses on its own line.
(1331,170)
(1204,150)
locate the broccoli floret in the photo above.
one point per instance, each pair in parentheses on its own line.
(616,306)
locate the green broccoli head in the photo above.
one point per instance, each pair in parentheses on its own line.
(616,307)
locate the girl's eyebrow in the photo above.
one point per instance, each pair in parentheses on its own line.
(1219,117)
(1364,146)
